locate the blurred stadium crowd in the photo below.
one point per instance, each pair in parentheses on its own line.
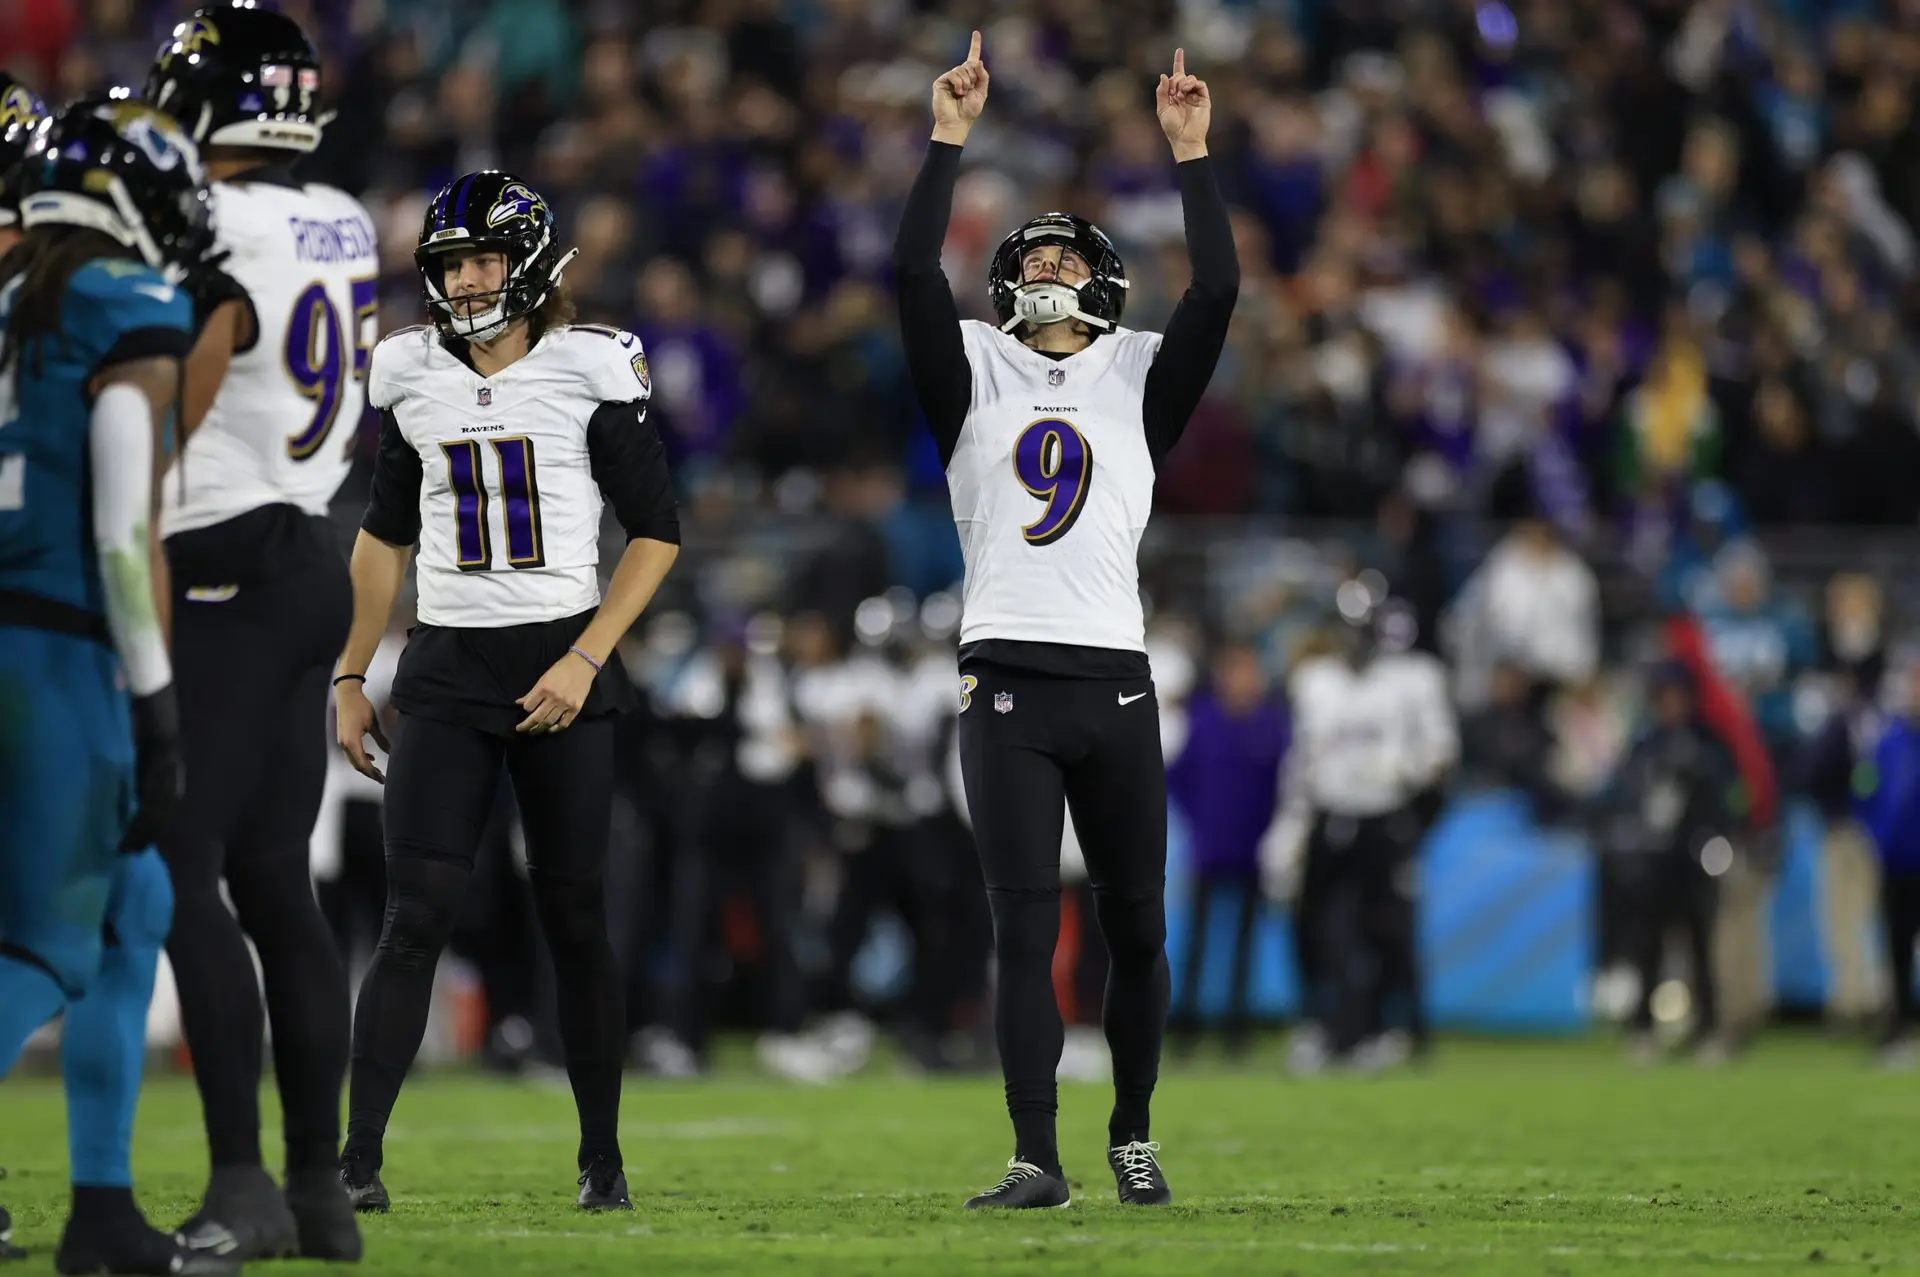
(1584,326)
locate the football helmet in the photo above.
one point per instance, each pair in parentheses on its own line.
(235,75)
(490,211)
(20,114)
(125,169)
(1098,302)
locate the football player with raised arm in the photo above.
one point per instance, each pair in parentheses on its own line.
(113,212)
(503,430)
(274,391)
(1052,424)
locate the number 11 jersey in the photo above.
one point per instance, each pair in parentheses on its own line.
(1052,485)
(508,476)
(281,428)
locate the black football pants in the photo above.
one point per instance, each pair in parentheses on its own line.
(260,608)
(1031,747)
(441,785)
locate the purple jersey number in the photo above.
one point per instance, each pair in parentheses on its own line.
(519,498)
(1054,462)
(315,357)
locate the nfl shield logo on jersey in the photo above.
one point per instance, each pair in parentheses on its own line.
(1056,376)
(486,396)
(1003,702)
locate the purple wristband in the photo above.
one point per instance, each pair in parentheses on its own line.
(583,656)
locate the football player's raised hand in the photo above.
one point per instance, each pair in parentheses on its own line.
(1185,109)
(959,96)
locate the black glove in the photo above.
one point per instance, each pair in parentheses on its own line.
(159,777)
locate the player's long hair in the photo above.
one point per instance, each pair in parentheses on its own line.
(555,312)
(43,261)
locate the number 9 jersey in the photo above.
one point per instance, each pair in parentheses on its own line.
(281,429)
(1052,486)
(501,480)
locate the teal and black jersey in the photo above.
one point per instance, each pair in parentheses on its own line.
(116,311)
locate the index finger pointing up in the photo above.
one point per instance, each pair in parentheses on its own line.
(1179,62)
(973,50)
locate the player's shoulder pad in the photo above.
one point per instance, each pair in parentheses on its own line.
(1134,351)
(115,295)
(611,361)
(396,358)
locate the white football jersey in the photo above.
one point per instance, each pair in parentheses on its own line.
(1366,741)
(1052,485)
(282,425)
(509,509)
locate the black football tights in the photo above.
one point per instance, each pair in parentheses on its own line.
(1060,744)
(440,788)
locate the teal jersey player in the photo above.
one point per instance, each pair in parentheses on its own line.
(93,329)
(115,311)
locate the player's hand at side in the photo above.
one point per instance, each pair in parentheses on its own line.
(959,96)
(355,720)
(159,778)
(1185,109)
(557,698)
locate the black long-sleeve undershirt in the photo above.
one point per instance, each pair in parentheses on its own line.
(930,322)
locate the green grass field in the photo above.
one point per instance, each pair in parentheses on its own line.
(1502,1159)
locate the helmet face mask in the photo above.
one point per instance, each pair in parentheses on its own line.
(489,212)
(1022,294)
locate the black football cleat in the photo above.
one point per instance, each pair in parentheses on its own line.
(323,1216)
(360,1177)
(1136,1170)
(1024,1187)
(243,1216)
(603,1186)
(126,1243)
(8,1251)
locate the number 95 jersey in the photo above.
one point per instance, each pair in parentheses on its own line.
(1052,486)
(509,470)
(281,428)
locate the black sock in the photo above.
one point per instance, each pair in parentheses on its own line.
(219,1006)
(99,1203)
(1026,927)
(308,1003)
(1034,1140)
(423,898)
(1135,1011)
(589,1003)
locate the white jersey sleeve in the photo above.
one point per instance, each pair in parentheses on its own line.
(282,426)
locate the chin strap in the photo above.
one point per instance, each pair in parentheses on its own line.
(1050,303)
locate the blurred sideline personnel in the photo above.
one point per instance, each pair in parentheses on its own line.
(1375,738)
(114,213)
(1052,426)
(1889,807)
(502,429)
(1669,817)
(261,606)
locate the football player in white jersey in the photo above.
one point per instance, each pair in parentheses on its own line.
(502,432)
(273,393)
(1374,737)
(1051,424)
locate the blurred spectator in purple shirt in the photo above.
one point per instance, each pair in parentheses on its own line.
(1226,784)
